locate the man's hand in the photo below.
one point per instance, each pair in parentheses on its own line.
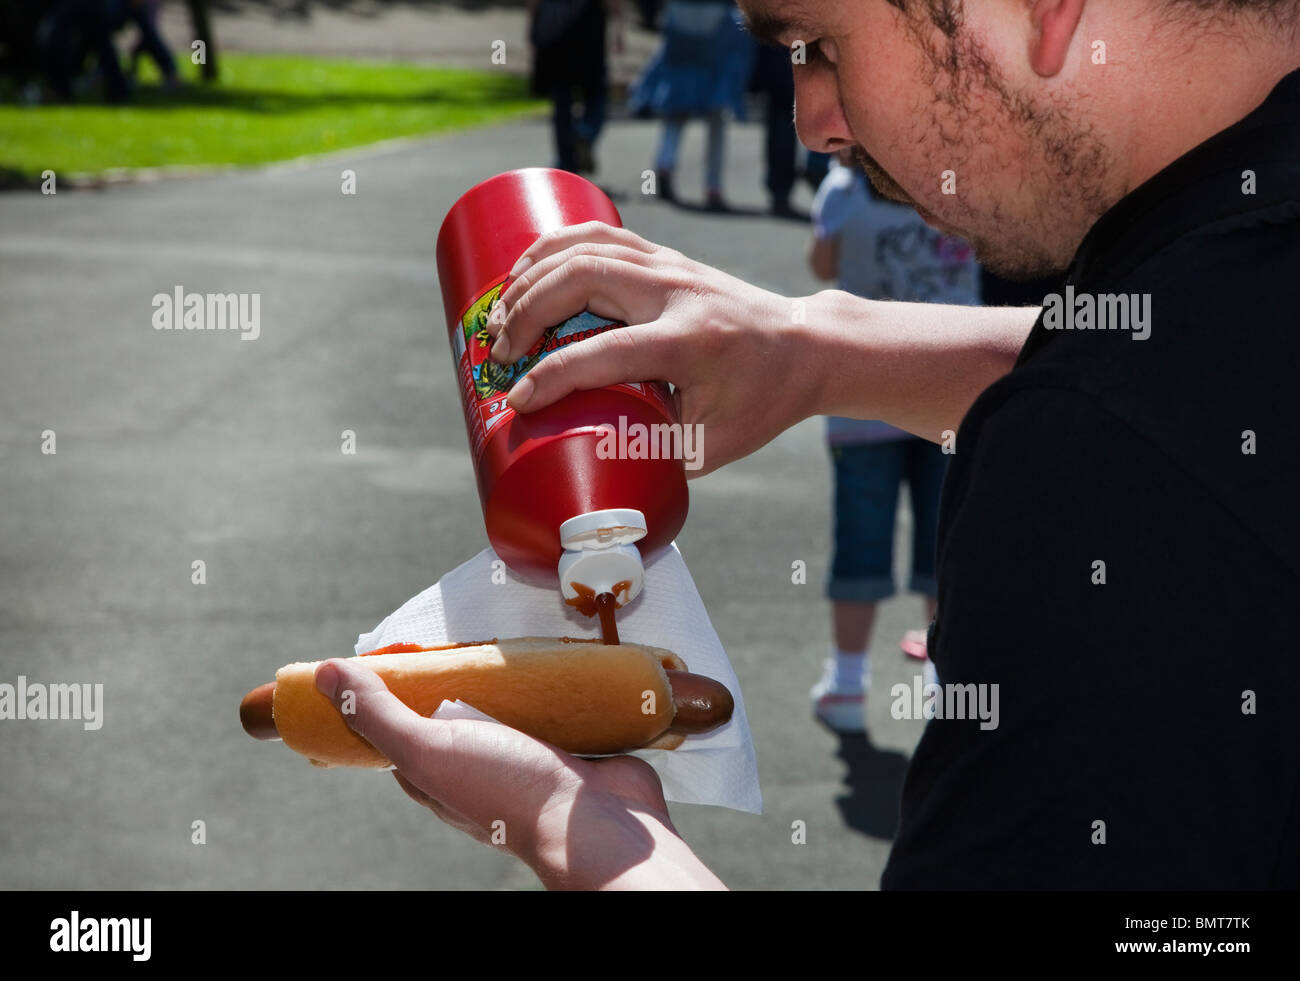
(730,349)
(577,823)
(747,363)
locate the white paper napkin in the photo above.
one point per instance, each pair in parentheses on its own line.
(467,604)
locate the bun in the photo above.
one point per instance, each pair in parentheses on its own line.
(583,696)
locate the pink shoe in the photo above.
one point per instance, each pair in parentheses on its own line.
(913,644)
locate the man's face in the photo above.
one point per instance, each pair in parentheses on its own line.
(951,121)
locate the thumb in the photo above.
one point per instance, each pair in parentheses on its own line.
(489,771)
(373,712)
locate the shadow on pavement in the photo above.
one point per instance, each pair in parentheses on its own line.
(875,786)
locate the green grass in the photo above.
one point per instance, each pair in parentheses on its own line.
(264,108)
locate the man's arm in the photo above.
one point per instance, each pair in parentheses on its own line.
(918,366)
(747,363)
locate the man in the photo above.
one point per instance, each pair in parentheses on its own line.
(1119,536)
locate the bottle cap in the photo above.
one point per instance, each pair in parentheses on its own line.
(603,529)
(599,553)
(616,570)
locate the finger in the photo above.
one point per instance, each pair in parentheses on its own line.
(374,713)
(496,314)
(517,287)
(559,239)
(446,814)
(625,354)
(625,291)
(418,795)
(481,770)
(524,281)
(634,779)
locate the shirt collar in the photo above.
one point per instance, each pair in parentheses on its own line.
(1201,187)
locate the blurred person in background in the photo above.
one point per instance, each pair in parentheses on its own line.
(774,76)
(816,166)
(75,29)
(648,12)
(700,70)
(20,54)
(144,15)
(67,36)
(568,39)
(881,250)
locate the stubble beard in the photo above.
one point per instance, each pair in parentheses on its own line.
(1034,232)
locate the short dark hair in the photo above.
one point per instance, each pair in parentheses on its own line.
(947,15)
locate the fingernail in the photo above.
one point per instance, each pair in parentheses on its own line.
(498,315)
(327,680)
(501,349)
(521,393)
(521,264)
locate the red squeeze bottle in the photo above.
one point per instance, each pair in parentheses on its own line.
(566,490)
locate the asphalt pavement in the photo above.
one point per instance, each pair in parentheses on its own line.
(173,447)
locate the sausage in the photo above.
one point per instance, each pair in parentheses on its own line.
(701,705)
(256,714)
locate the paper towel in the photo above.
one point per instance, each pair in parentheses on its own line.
(466,604)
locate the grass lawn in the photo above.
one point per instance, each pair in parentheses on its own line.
(265,107)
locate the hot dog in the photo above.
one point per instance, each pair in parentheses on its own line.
(583,696)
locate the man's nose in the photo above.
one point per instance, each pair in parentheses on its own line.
(818,113)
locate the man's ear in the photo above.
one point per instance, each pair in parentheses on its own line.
(1054,23)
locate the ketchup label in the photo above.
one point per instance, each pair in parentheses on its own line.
(484,383)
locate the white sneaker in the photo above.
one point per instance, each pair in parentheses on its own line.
(837,706)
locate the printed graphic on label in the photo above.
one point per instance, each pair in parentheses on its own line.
(484,382)
(491,379)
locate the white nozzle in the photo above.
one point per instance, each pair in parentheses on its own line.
(600,554)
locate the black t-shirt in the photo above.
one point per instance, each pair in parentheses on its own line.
(1148,724)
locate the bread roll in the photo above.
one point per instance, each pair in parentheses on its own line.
(585,697)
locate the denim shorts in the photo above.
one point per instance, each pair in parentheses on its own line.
(867,478)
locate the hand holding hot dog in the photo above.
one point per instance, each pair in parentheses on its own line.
(576,823)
